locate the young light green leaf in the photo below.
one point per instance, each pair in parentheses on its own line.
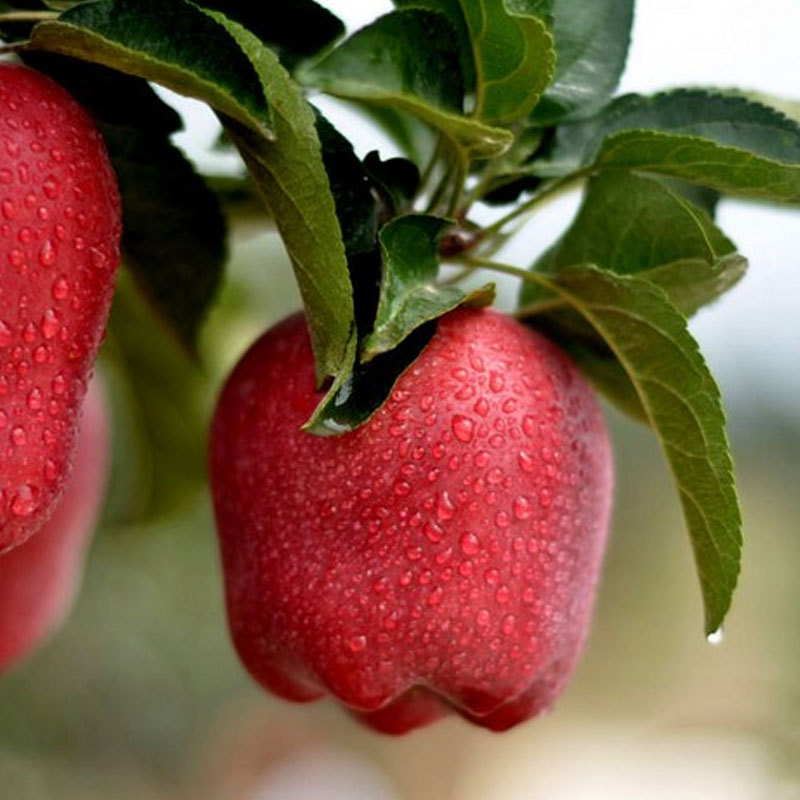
(290,174)
(414,66)
(198,59)
(725,142)
(591,41)
(650,339)
(409,295)
(507,53)
(635,224)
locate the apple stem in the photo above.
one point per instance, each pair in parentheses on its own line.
(549,192)
(27,16)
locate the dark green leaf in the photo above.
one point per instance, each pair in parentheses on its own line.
(299,30)
(197,58)
(395,179)
(651,341)
(409,294)
(359,393)
(174,233)
(721,141)
(506,52)
(591,42)
(291,176)
(635,224)
(408,60)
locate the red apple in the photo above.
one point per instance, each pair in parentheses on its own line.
(39,579)
(442,557)
(59,253)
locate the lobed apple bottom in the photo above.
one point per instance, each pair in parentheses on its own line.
(441,558)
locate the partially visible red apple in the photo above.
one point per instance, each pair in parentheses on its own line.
(39,579)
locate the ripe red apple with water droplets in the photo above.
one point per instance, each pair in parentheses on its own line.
(39,579)
(441,558)
(59,252)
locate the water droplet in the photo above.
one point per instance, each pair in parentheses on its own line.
(502,520)
(8,209)
(50,470)
(402,488)
(483,617)
(414,553)
(526,462)
(5,334)
(18,436)
(508,624)
(463,428)
(47,254)
(34,399)
(528,595)
(529,426)
(445,508)
(510,405)
(545,499)
(716,637)
(494,475)
(40,354)
(496,382)
(433,531)
(522,507)
(60,288)
(469,543)
(357,643)
(51,187)
(3,419)
(491,576)
(435,597)
(23,503)
(502,595)
(481,407)
(29,333)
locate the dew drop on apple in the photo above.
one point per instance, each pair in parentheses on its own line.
(445,508)
(23,503)
(463,428)
(60,288)
(469,543)
(522,507)
(6,335)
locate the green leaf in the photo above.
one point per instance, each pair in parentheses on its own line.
(636,224)
(720,141)
(408,60)
(651,341)
(196,58)
(506,47)
(299,30)
(359,392)
(395,179)
(173,234)
(291,176)
(409,295)
(591,42)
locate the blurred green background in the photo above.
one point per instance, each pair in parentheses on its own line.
(140,695)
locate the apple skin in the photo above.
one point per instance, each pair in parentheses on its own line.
(441,558)
(60,225)
(39,579)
